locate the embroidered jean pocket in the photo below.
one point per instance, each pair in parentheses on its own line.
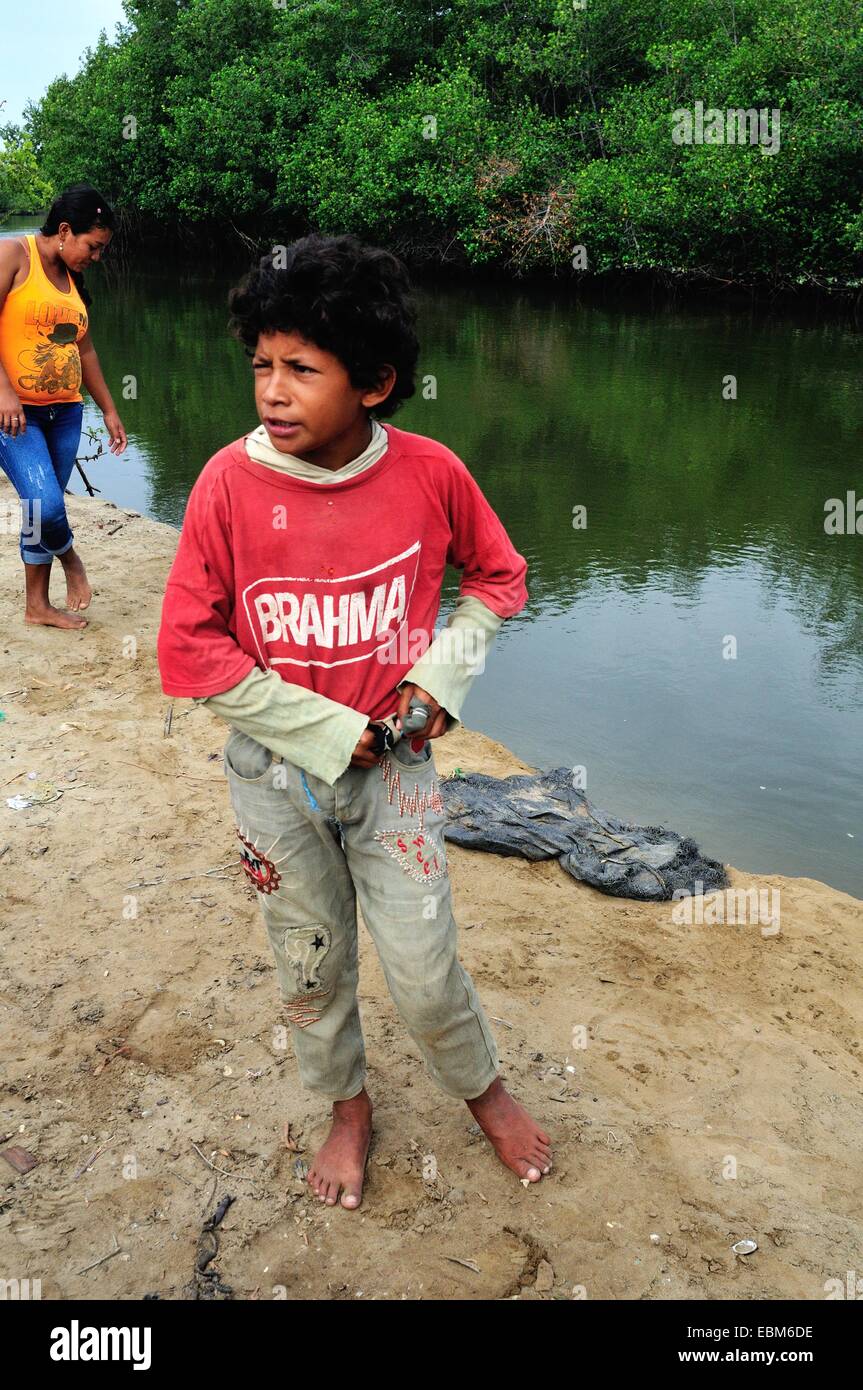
(404,754)
(247,759)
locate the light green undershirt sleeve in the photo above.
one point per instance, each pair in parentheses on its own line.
(319,734)
(316,733)
(456,656)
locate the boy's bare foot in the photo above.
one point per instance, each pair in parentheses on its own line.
(516,1138)
(339,1165)
(78,591)
(50,616)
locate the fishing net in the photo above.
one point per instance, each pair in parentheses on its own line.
(543,816)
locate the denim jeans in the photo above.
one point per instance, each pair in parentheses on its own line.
(311,851)
(39,465)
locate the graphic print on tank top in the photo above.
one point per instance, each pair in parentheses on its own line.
(40,329)
(52,364)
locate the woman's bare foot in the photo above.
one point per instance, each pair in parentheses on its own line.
(516,1138)
(78,591)
(50,616)
(339,1165)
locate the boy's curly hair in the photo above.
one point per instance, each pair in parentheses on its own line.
(348,298)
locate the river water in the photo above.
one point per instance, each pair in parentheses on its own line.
(697,645)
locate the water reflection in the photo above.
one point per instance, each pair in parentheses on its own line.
(705,529)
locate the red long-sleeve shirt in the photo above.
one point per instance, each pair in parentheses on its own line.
(336,588)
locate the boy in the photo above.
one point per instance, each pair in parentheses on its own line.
(309,565)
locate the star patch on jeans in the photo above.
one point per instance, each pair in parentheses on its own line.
(304,949)
(416,851)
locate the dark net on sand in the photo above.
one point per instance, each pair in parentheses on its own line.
(543,816)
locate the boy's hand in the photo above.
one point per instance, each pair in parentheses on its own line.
(435,725)
(363,756)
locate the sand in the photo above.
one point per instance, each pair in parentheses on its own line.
(711,1050)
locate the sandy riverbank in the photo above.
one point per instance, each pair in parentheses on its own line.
(704,1041)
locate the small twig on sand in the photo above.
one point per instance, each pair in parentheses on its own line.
(123,1051)
(110,1255)
(162,772)
(288,1139)
(168,720)
(172,1174)
(92,1159)
(207,1161)
(181,878)
(14,779)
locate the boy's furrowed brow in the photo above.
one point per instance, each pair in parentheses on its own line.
(299,362)
(262,358)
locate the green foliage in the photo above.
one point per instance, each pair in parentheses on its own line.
(552,128)
(22,186)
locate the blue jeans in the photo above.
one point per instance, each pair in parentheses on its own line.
(39,465)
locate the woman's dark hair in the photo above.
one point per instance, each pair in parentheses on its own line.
(83,207)
(348,298)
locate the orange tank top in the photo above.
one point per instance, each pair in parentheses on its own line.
(40,328)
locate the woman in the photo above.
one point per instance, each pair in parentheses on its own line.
(46,351)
